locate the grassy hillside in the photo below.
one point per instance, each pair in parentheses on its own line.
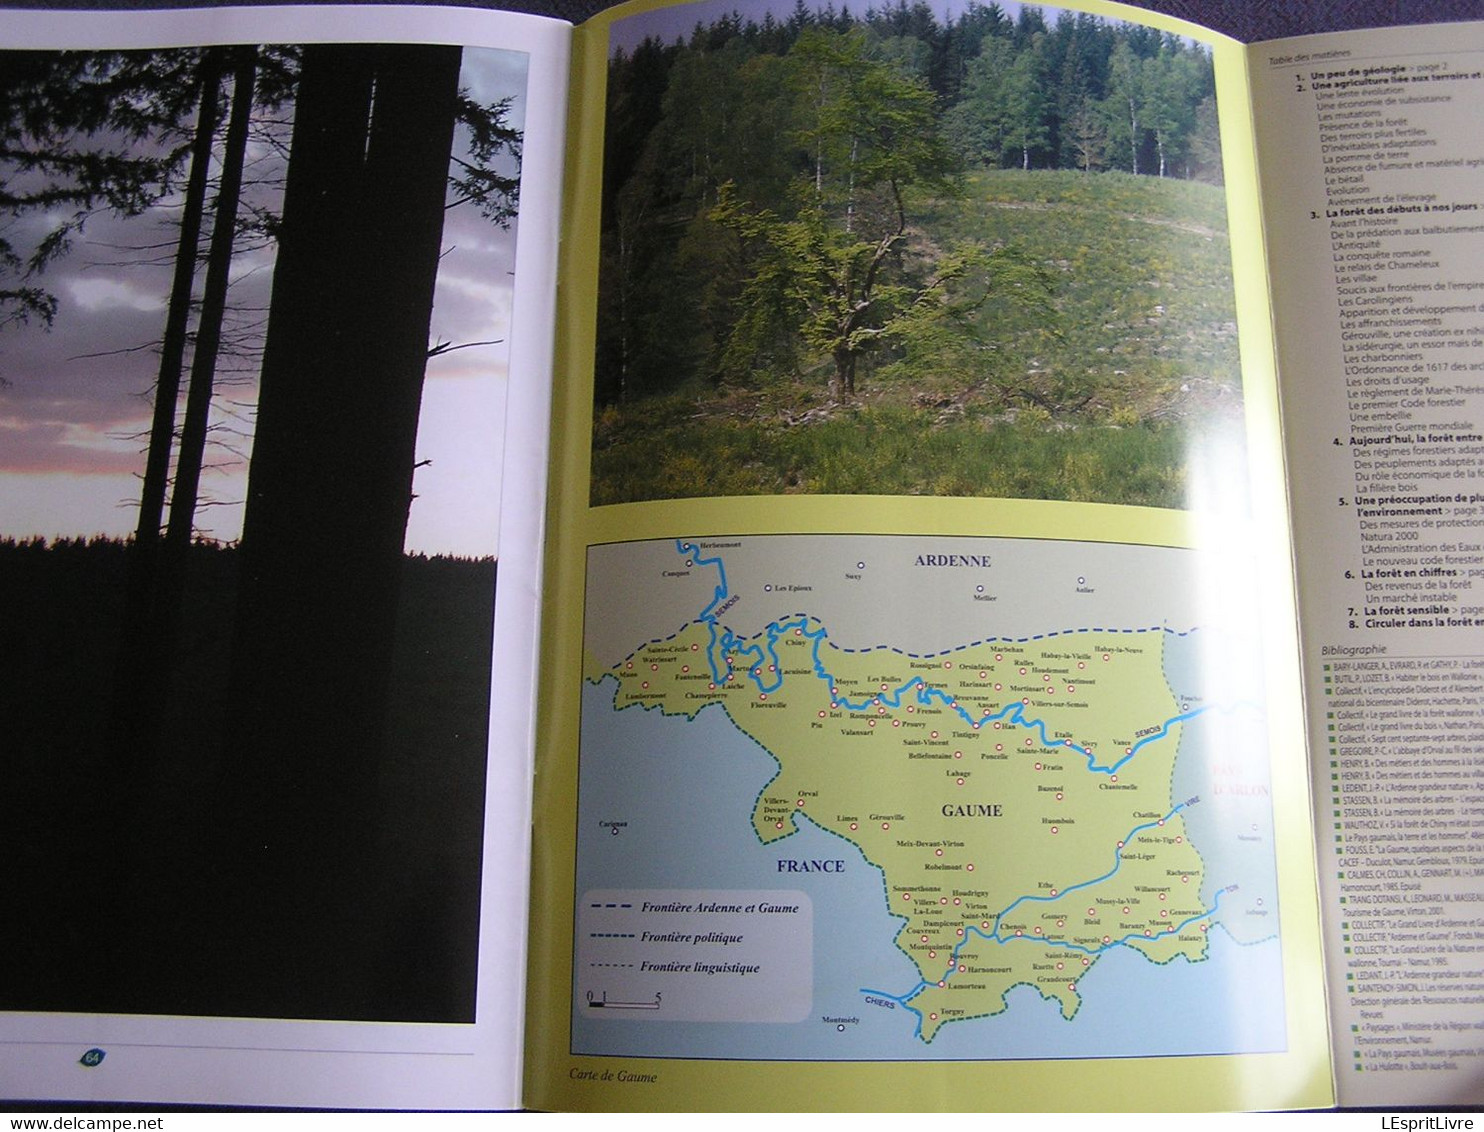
(1108,399)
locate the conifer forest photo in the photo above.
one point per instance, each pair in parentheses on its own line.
(253,301)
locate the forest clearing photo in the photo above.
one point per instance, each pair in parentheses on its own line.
(920,252)
(254,321)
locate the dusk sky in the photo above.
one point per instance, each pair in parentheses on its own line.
(76,400)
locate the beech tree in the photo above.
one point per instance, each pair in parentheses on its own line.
(835,267)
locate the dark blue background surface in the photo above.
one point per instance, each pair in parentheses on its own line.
(1247,20)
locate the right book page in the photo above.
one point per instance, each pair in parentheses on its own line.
(1370,157)
(920,722)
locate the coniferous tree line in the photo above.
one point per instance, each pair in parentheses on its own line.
(763,180)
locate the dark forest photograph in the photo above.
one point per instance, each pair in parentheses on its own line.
(908,249)
(254,314)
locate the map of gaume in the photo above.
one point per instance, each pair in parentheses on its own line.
(1018,795)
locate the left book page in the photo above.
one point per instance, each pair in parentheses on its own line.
(276,297)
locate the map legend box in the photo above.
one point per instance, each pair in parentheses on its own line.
(687,955)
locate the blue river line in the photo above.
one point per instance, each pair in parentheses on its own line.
(766,672)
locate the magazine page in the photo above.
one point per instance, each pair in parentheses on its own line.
(920,715)
(275,335)
(1370,156)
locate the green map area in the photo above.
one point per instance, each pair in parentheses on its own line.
(1016,795)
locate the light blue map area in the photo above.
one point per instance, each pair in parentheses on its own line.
(665,806)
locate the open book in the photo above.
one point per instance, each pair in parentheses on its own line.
(985,503)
